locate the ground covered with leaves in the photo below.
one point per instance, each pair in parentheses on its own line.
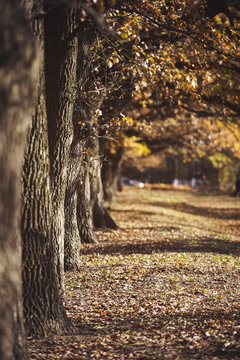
(165,285)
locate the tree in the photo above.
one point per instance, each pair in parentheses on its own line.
(61,65)
(42,269)
(43,309)
(17,68)
(84,206)
(78,212)
(170,85)
(189,62)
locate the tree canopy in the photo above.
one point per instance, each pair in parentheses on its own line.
(172,67)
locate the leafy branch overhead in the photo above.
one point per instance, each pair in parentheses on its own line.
(171,67)
(168,59)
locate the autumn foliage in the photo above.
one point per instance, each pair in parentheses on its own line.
(172,68)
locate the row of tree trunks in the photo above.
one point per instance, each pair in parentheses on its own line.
(46,182)
(18,64)
(84,205)
(62,190)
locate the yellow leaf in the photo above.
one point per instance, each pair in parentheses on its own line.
(124,35)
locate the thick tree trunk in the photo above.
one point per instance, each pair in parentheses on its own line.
(78,215)
(17,56)
(43,309)
(60,57)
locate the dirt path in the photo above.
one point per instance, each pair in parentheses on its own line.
(163,286)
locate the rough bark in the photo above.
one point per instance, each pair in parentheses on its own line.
(84,209)
(17,73)
(78,215)
(101,217)
(111,172)
(72,239)
(60,57)
(43,309)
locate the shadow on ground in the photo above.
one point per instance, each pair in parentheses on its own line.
(130,211)
(222,213)
(205,245)
(169,330)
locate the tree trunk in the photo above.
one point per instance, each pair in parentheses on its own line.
(72,239)
(17,73)
(101,217)
(78,215)
(84,209)
(43,308)
(111,171)
(60,56)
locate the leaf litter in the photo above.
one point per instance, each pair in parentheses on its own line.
(165,285)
